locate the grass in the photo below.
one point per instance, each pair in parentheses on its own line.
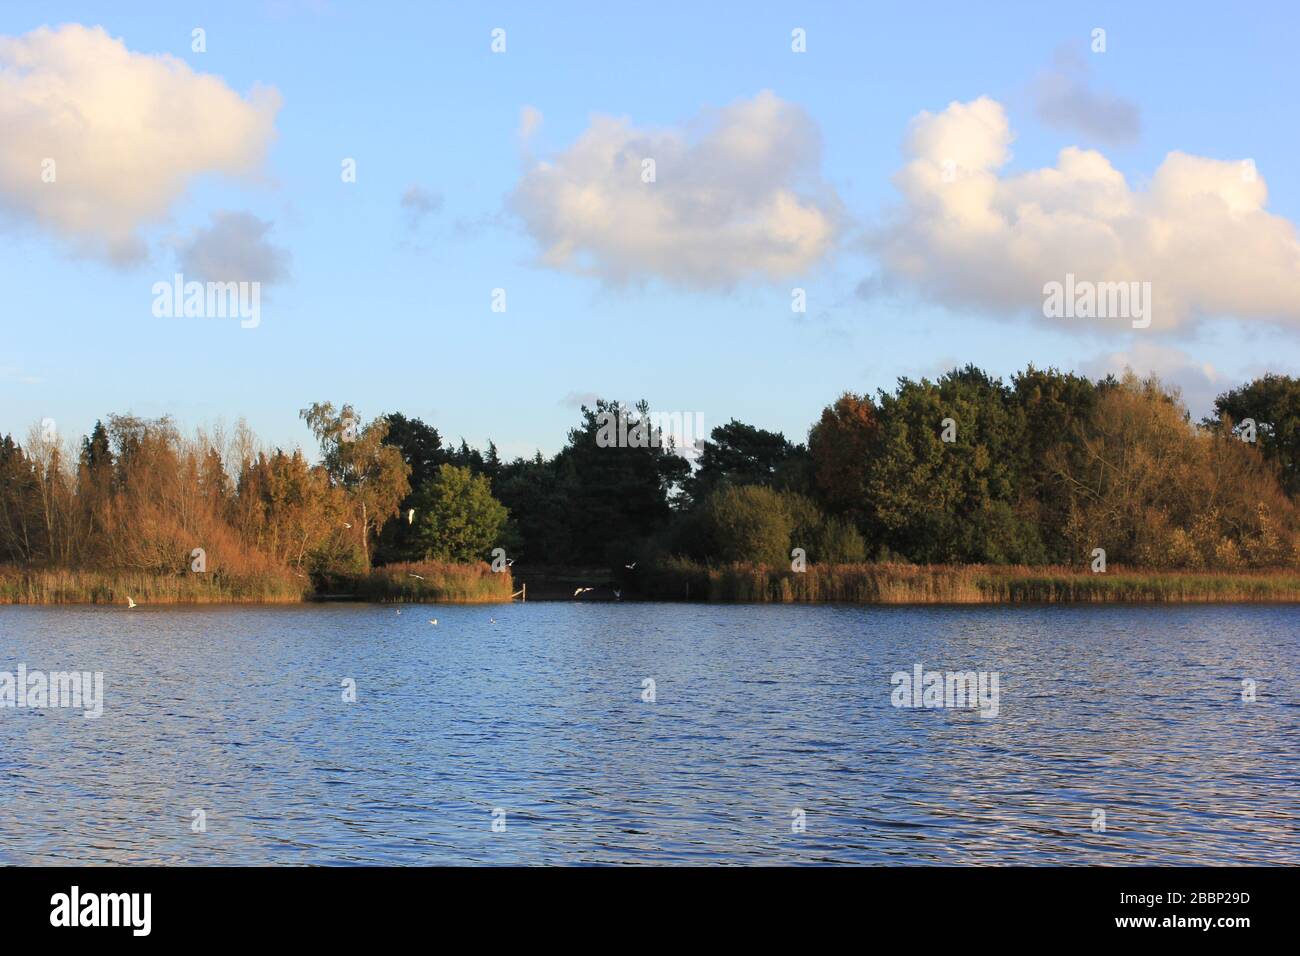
(452,583)
(438,581)
(674,579)
(678,579)
(62,586)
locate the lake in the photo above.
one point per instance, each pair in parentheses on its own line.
(526,734)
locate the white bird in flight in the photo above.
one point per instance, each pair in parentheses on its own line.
(434,621)
(414,575)
(346,525)
(619,595)
(129,602)
(630,566)
(410,515)
(582,591)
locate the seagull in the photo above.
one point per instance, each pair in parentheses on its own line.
(630,566)
(492,620)
(410,515)
(434,622)
(399,610)
(619,595)
(346,525)
(129,603)
(414,575)
(509,562)
(582,591)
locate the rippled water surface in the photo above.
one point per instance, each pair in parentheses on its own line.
(759,711)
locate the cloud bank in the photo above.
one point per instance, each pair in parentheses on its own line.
(126,132)
(735,196)
(971,235)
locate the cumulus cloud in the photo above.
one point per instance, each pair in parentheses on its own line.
(1198,382)
(971,235)
(735,197)
(234,248)
(1064,99)
(127,132)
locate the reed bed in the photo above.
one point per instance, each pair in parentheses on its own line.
(451,583)
(678,579)
(437,581)
(65,586)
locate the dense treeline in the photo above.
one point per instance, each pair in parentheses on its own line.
(965,469)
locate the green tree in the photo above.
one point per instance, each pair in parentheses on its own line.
(537,496)
(457,517)
(1053,408)
(618,489)
(1273,403)
(927,495)
(741,454)
(747,523)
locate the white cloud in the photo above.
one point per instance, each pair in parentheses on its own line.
(971,235)
(127,133)
(737,198)
(233,249)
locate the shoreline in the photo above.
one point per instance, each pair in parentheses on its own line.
(673,582)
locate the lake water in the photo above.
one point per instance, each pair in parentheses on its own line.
(758,713)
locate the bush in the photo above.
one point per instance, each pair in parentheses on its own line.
(747,524)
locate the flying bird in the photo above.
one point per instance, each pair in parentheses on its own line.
(129,603)
(509,562)
(414,575)
(619,595)
(434,621)
(630,566)
(346,525)
(582,591)
(410,515)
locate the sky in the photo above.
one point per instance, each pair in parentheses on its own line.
(914,173)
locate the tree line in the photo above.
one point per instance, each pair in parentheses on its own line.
(1040,470)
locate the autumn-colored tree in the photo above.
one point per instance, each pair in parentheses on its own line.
(840,445)
(373,474)
(1151,489)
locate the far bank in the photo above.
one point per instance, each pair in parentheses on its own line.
(674,580)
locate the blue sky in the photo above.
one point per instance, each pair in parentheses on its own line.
(391,311)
